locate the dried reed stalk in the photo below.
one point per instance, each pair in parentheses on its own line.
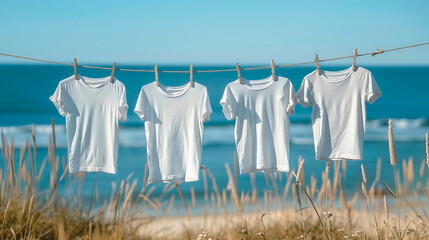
(232,187)
(183,201)
(410,170)
(254,188)
(364,191)
(214,209)
(61,230)
(427,149)
(386,207)
(206,189)
(235,169)
(422,168)
(215,187)
(337,177)
(33,135)
(313,185)
(392,152)
(367,195)
(287,186)
(194,204)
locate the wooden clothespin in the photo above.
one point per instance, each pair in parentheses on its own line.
(239,73)
(378,52)
(113,72)
(156,75)
(317,64)
(75,69)
(191,75)
(273,71)
(354,59)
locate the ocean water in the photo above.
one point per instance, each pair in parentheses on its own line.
(24,100)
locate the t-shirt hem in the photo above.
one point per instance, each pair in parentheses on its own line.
(265,169)
(169,179)
(93,169)
(340,157)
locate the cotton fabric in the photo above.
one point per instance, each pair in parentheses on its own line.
(338,99)
(261,109)
(92,107)
(173,119)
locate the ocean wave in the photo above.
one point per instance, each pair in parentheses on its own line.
(131,136)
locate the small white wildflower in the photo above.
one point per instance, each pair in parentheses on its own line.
(328,214)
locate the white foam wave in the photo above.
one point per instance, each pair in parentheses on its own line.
(300,133)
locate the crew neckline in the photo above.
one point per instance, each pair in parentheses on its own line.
(87,81)
(253,84)
(172,91)
(336,76)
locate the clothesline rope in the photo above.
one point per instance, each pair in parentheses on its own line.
(219,70)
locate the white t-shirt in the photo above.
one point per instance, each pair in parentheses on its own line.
(92,107)
(338,99)
(173,119)
(261,109)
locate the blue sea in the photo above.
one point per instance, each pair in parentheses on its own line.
(24,100)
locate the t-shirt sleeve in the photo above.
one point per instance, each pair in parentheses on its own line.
(291,99)
(141,104)
(123,106)
(305,93)
(229,104)
(372,91)
(59,99)
(206,109)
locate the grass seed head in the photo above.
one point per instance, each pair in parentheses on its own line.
(427,149)
(392,149)
(328,166)
(386,207)
(363,174)
(364,191)
(299,172)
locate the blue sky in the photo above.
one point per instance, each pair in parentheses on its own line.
(205,32)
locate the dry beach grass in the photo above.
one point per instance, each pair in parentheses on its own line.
(294,209)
